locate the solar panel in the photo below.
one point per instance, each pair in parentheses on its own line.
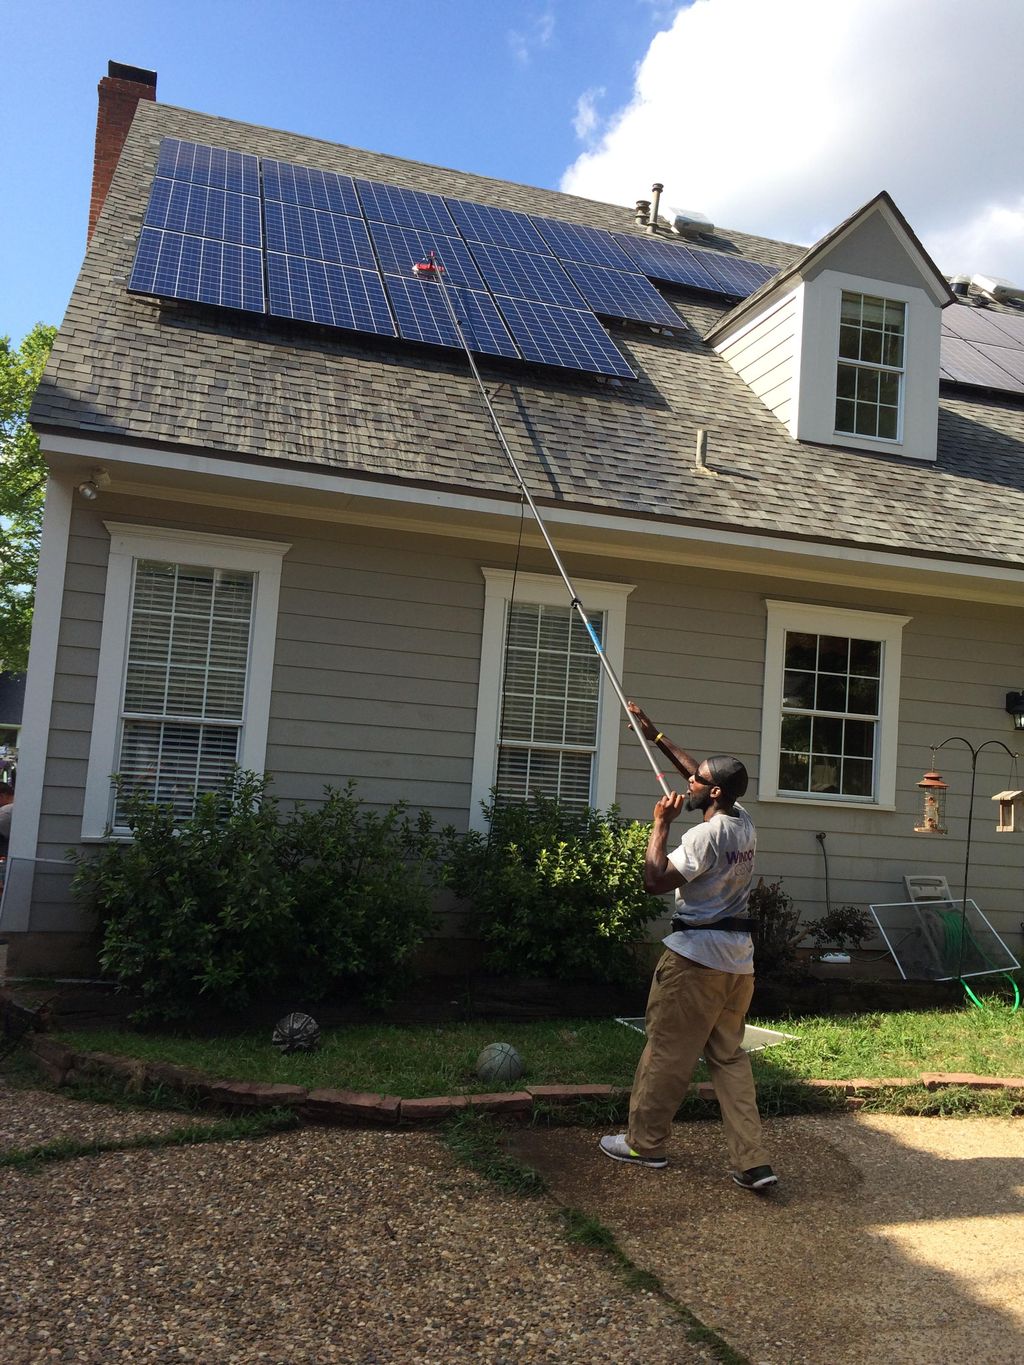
(973,324)
(422,315)
(566,337)
(215,167)
(663,261)
(1010,323)
(966,363)
(309,188)
(320,236)
(181,206)
(594,246)
(735,274)
(496,227)
(521,275)
(198,269)
(336,295)
(618,294)
(405,208)
(1008,358)
(400,248)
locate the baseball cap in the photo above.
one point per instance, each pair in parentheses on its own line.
(729,774)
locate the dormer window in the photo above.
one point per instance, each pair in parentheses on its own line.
(869,379)
(844,346)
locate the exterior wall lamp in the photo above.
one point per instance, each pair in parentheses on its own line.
(91,487)
(1015,707)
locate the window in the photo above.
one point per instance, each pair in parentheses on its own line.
(830,705)
(184,692)
(548,720)
(869,379)
(186,653)
(554,731)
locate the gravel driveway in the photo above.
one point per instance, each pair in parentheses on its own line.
(314,1245)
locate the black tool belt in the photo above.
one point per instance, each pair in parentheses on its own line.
(736,924)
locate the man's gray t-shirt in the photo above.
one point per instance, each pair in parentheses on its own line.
(717,859)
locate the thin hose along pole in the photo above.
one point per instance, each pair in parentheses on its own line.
(437,267)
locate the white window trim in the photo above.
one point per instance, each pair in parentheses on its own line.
(822,620)
(899,370)
(128,543)
(819,362)
(547,590)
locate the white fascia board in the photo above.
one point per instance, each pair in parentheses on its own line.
(661,541)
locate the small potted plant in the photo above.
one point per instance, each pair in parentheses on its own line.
(839,932)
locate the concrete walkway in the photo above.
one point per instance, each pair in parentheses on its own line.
(888,1239)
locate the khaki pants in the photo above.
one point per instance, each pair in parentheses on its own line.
(692,1010)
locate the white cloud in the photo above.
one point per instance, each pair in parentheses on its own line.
(587,118)
(537,34)
(781,118)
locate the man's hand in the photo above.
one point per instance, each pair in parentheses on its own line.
(644,723)
(659,874)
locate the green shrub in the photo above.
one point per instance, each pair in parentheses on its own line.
(555,891)
(363,886)
(776,930)
(236,903)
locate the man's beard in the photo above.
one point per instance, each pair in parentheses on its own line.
(701,802)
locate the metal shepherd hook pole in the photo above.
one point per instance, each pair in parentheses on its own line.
(435,267)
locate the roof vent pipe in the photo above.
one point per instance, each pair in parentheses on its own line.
(656,190)
(642,215)
(702,448)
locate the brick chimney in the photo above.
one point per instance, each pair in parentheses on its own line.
(120,91)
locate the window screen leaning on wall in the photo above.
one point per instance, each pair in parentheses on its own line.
(830,708)
(869,379)
(549,721)
(185,679)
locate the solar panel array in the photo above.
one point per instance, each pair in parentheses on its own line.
(271,236)
(982,348)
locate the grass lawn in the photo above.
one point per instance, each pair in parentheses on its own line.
(439,1061)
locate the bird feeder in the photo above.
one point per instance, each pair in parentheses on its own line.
(1011,812)
(933,815)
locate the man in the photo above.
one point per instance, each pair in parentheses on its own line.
(6,811)
(704,981)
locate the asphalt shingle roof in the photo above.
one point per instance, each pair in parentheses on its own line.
(129,368)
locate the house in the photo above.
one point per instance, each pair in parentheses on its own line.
(12,702)
(793,505)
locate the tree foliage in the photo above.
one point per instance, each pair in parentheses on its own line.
(22,486)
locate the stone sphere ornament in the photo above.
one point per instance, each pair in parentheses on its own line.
(296,1033)
(499,1064)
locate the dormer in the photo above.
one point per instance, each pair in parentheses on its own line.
(843,347)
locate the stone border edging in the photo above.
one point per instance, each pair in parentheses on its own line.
(64,1066)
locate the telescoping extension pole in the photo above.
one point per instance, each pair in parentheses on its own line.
(433,268)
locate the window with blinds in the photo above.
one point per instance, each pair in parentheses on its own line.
(185,682)
(548,735)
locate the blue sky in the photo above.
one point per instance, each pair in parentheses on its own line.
(777,117)
(481,85)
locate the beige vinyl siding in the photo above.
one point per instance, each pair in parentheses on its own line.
(375,678)
(764,357)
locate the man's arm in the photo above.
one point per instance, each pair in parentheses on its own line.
(659,874)
(685,762)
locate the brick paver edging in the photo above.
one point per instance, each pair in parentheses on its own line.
(64,1066)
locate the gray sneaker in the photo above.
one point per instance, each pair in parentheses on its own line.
(619,1150)
(757,1178)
